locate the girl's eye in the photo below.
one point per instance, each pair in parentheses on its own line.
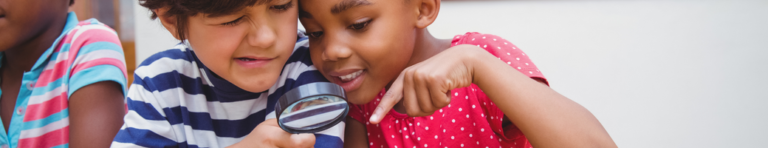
(360,26)
(234,22)
(315,34)
(282,7)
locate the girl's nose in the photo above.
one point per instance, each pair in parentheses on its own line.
(336,50)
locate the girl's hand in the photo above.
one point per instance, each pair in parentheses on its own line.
(425,85)
(269,135)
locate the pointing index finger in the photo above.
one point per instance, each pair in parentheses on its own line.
(393,95)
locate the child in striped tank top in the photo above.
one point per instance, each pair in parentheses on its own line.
(62,81)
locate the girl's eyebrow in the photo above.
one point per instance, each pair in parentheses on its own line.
(348,4)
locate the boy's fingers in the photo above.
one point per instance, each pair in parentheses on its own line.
(293,140)
(300,141)
(393,95)
(278,138)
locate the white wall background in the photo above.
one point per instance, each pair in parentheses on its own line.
(669,73)
(151,36)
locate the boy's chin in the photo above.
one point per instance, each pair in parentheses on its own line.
(256,86)
(255,89)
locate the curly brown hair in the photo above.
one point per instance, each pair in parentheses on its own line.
(183,9)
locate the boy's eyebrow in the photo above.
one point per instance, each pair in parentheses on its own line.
(228,7)
(347,4)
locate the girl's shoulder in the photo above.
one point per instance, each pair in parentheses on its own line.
(504,50)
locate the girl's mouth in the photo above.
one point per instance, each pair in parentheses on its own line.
(350,81)
(349,77)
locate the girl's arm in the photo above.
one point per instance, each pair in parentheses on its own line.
(95,114)
(547,118)
(354,135)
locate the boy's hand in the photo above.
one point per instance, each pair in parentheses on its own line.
(426,85)
(269,135)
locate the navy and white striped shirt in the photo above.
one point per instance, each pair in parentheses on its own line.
(175,101)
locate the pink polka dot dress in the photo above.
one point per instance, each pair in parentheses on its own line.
(471,120)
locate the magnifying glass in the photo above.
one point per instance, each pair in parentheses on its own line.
(311,108)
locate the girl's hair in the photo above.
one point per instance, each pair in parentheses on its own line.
(183,9)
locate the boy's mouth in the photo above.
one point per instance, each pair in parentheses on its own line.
(252,62)
(245,59)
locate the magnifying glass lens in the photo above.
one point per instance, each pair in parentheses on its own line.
(311,108)
(313,112)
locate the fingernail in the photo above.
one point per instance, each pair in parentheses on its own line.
(374,117)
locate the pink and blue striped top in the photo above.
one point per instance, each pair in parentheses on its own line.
(85,53)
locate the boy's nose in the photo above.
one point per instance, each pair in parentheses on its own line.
(261,36)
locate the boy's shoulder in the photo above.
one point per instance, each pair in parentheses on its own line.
(178,63)
(180,52)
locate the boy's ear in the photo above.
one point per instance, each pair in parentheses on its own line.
(427,12)
(169,22)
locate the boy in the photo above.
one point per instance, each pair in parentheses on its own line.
(237,58)
(62,80)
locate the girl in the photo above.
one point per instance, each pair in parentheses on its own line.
(475,90)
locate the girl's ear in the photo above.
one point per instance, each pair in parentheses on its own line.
(169,22)
(427,12)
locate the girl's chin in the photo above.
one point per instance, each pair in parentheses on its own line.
(355,97)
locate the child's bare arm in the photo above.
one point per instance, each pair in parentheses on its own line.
(95,114)
(547,118)
(354,135)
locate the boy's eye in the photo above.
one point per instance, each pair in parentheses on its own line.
(282,7)
(360,25)
(315,34)
(234,22)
